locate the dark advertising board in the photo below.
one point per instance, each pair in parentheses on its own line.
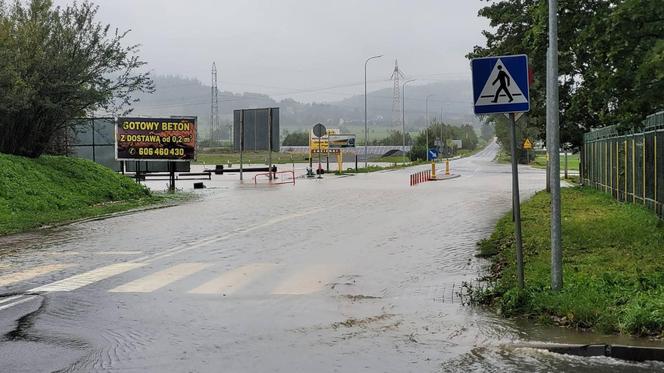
(258,126)
(155,139)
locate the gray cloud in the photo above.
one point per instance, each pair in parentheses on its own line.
(299,48)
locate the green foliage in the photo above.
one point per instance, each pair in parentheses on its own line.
(299,138)
(487,131)
(613,267)
(611,58)
(225,156)
(464,133)
(393,138)
(58,63)
(49,189)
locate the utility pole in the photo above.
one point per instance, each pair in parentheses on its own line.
(403,119)
(427,127)
(214,104)
(553,147)
(442,146)
(366,131)
(396,95)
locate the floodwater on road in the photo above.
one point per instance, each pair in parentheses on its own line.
(343,274)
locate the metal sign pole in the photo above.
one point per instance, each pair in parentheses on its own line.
(241,143)
(269,146)
(320,167)
(171,178)
(516,205)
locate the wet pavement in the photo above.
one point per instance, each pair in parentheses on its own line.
(344,274)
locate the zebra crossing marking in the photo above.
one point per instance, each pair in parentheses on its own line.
(87,278)
(160,279)
(231,281)
(308,281)
(31,273)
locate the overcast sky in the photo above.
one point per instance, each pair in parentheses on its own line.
(301,48)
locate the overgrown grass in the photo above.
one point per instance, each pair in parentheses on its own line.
(47,190)
(225,156)
(613,265)
(395,166)
(572,162)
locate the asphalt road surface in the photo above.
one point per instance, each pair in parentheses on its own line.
(344,274)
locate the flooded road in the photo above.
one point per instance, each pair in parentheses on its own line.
(344,274)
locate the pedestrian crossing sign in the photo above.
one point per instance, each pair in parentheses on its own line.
(527,145)
(500,84)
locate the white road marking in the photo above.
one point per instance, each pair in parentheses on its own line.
(119,252)
(308,281)
(87,278)
(30,273)
(233,280)
(17,302)
(9,299)
(160,279)
(213,239)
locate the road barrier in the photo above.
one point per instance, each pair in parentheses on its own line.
(281,177)
(420,177)
(629,166)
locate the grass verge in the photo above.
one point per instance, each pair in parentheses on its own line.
(50,190)
(395,166)
(226,156)
(573,160)
(613,266)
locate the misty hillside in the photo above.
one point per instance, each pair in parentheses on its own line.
(183,96)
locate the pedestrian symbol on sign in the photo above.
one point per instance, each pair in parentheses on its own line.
(504,83)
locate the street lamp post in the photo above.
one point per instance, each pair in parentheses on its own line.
(366,131)
(403,118)
(427,125)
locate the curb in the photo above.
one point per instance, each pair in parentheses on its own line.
(623,352)
(448,177)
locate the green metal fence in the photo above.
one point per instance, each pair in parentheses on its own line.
(629,166)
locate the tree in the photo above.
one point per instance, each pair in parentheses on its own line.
(56,64)
(488,131)
(393,138)
(465,133)
(610,54)
(298,138)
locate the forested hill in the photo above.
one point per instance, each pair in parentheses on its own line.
(183,96)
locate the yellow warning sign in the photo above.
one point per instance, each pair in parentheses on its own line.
(527,144)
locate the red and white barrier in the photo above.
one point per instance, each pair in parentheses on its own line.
(420,177)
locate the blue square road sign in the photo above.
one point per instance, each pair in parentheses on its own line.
(500,84)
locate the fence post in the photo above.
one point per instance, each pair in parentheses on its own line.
(626,173)
(618,169)
(633,169)
(643,166)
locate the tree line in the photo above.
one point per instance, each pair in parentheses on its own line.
(611,56)
(56,64)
